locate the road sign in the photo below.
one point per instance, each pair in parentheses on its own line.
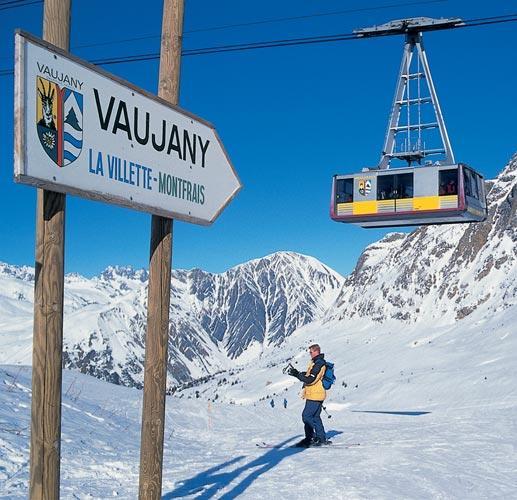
(81,130)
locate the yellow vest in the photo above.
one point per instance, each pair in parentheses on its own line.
(315,391)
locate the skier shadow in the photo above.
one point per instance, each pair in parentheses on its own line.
(407,413)
(207,483)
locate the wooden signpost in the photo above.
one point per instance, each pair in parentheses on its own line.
(45,449)
(83,131)
(156,341)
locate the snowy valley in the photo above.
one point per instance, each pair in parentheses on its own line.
(423,334)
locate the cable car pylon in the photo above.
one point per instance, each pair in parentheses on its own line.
(414,149)
(436,192)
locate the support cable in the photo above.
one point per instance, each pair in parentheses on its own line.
(274,43)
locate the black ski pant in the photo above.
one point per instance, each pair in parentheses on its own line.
(312,420)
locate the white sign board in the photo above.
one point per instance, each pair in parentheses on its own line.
(80,130)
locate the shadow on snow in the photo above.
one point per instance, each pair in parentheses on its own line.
(207,483)
(408,413)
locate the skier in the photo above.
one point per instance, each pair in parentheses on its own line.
(272,403)
(285,402)
(314,394)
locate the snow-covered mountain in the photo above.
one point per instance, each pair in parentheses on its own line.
(422,334)
(437,275)
(443,273)
(215,319)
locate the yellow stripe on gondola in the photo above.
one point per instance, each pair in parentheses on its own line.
(384,206)
(344,208)
(386,203)
(449,201)
(405,204)
(426,203)
(365,207)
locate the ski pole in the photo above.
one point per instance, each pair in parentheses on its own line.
(286,369)
(325,410)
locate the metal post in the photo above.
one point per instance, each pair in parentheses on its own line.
(449,155)
(45,450)
(389,144)
(156,342)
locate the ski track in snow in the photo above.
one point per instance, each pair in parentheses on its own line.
(450,452)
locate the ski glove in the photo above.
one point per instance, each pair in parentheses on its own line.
(293,372)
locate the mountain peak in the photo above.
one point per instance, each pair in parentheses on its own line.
(25,273)
(127,272)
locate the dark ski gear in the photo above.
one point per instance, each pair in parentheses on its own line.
(304,443)
(312,420)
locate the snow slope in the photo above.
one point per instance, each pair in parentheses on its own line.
(435,416)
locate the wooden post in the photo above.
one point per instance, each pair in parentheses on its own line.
(156,342)
(45,451)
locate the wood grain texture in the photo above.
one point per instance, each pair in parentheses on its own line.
(45,451)
(156,342)
(56,23)
(155,372)
(47,347)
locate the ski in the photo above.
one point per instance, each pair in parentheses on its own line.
(337,445)
(279,447)
(266,445)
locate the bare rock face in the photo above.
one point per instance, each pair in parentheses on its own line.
(263,301)
(440,273)
(214,318)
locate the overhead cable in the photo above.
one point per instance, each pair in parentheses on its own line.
(13,4)
(276,43)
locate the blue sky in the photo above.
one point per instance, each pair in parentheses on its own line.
(290,118)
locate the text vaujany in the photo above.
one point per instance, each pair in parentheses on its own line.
(165,137)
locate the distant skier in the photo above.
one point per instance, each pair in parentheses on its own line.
(272,403)
(314,394)
(285,402)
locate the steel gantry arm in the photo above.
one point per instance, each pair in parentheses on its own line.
(414,148)
(449,155)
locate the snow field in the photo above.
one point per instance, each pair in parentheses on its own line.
(434,412)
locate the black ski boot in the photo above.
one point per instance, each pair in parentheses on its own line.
(320,442)
(304,443)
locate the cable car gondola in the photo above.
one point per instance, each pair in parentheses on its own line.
(439,192)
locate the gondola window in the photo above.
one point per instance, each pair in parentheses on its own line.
(405,186)
(394,186)
(471,188)
(385,187)
(448,182)
(345,191)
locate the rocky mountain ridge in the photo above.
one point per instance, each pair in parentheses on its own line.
(435,275)
(216,320)
(443,273)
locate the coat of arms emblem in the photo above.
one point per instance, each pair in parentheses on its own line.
(59,120)
(365,187)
